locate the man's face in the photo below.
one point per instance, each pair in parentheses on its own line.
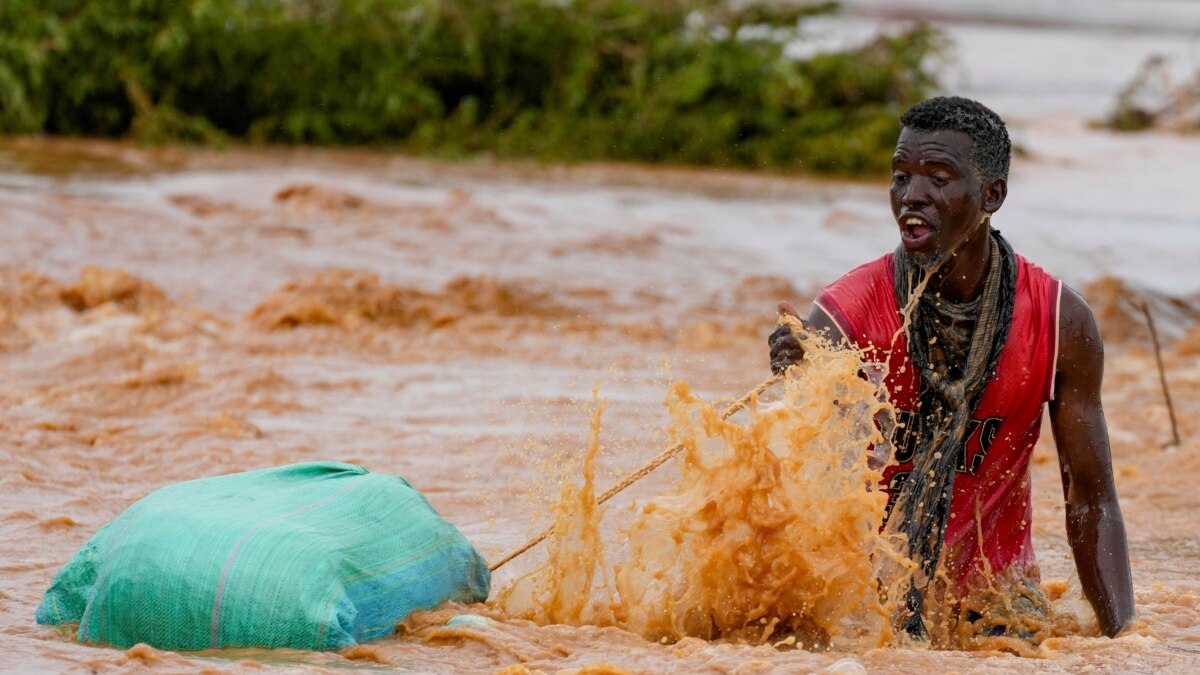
(936,193)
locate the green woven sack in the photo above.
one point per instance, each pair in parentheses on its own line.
(310,556)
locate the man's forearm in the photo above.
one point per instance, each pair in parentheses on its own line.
(1097,535)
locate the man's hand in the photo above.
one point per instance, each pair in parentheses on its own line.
(786,346)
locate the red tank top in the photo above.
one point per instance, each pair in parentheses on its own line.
(992,487)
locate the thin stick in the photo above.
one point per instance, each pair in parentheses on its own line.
(640,473)
(1162,374)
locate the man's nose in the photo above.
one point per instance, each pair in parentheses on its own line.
(916,193)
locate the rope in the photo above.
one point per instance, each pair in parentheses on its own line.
(642,472)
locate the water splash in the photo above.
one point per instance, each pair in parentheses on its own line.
(771,530)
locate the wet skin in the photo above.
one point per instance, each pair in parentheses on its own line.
(939,203)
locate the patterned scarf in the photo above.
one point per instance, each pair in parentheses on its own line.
(956,348)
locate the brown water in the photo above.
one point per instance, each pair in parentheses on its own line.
(448,323)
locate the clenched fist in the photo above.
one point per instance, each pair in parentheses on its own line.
(787,341)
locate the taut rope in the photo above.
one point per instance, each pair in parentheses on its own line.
(640,473)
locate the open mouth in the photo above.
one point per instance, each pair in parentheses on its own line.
(915,232)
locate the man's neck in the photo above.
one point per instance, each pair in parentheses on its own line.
(961,277)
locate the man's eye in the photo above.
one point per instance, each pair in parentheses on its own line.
(939,181)
(899,177)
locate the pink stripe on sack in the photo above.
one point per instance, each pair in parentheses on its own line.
(237,547)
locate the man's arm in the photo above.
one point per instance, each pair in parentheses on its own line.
(1094,524)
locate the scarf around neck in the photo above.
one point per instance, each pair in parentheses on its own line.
(956,348)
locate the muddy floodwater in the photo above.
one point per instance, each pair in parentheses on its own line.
(175,314)
(170,314)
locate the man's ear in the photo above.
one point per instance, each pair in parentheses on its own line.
(994,194)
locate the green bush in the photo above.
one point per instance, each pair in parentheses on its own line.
(699,81)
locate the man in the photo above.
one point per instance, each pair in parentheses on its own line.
(976,339)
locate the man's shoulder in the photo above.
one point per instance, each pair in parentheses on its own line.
(1080,356)
(1077,322)
(867,275)
(862,302)
(1033,271)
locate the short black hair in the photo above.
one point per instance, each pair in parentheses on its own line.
(991,148)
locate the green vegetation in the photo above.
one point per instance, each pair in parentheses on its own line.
(682,81)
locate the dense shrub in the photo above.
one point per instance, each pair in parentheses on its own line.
(689,81)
